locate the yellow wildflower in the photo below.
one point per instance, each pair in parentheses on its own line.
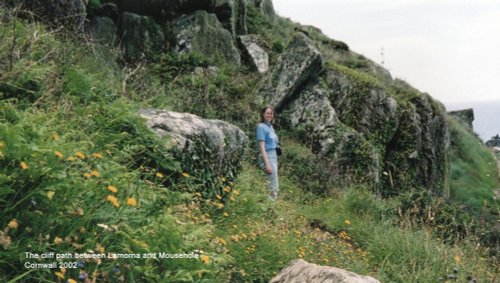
(221,240)
(71,158)
(457,259)
(50,194)
(59,274)
(80,155)
(218,196)
(97,155)
(132,201)
(58,240)
(227,189)
(58,154)
(159,175)
(112,189)
(347,222)
(87,175)
(54,136)
(185,174)
(205,259)
(24,166)
(95,173)
(13,224)
(113,200)
(72,280)
(99,248)
(225,214)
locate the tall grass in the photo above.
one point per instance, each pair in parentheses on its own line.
(474,174)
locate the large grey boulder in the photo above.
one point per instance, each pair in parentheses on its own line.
(69,14)
(202,33)
(141,36)
(256,55)
(300,271)
(187,132)
(296,65)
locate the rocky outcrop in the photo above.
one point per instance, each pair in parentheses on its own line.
(365,107)
(466,116)
(313,112)
(300,62)
(493,142)
(226,143)
(256,55)
(299,271)
(231,13)
(386,133)
(418,153)
(165,8)
(207,27)
(202,33)
(141,36)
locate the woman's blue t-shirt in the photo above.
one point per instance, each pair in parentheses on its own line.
(265,132)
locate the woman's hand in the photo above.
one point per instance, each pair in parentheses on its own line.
(268,169)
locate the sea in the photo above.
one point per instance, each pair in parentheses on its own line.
(486,116)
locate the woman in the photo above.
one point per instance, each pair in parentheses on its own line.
(268,142)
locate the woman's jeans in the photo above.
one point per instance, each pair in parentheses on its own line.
(272,179)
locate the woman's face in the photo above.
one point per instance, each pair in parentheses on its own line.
(268,115)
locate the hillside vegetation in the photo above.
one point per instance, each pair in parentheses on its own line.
(80,172)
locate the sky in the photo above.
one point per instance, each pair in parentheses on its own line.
(447,48)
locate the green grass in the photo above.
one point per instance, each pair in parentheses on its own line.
(80,172)
(473,166)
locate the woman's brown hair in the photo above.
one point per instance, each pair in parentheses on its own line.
(263,111)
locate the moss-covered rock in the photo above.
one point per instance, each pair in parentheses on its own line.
(300,62)
(141,36)
(202,33)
